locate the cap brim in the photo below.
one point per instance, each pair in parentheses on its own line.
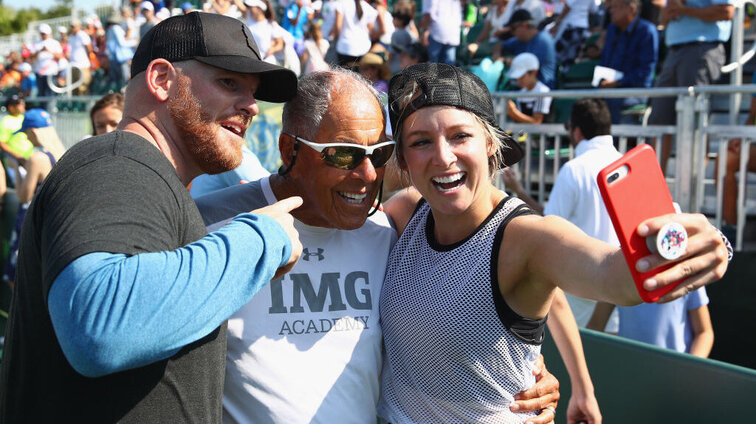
(513,152)
(277,84)
(516,73)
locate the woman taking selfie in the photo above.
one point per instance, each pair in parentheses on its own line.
(471,279)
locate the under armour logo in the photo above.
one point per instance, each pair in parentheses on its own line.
(306,254)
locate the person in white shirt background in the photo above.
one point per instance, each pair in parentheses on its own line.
(46,53)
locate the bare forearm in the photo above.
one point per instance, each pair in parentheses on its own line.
(564,329)
(719,12)
(522,118)
(702,344)
(600,316)
(703,332)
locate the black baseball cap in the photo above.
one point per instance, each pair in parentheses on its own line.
(13,100)
(218,41)
(442,84)
(519,16)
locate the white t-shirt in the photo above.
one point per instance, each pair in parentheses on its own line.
(288,56)
(388,21)
(328,12)
(576,198)
(262,31)
(316,53)
(497,21)
(354,39)
(531,105)
(577,17)
(307,347)
(46,64)
(446,20)
(79,52)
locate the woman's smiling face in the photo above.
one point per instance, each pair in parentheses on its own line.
(445,150)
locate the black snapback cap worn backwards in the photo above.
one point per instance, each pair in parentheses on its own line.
(218,41)
(446,85)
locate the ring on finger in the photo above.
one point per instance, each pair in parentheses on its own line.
(551,408)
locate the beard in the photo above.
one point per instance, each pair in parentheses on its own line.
(201,133)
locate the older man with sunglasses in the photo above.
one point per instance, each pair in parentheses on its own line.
(307,347)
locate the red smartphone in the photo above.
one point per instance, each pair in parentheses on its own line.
(634,189)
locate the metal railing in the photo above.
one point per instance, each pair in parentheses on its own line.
(696,141)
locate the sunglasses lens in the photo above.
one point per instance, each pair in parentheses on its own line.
(381,155)
(343,157)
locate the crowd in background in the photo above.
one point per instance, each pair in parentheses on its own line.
(306,36)
(530,45)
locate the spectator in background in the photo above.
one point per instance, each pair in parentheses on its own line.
(267,38)
(495,27)
(130,24)
(64,44)
(383,28)
(683,325)
(570,29)
(730,193)
(526,37)
(374,69)
(696,31)
(225,8)
(45,54)
(187,7)
(354,24)
(287,56)
(414,54)
(81,47)
(118,50)
(441,25)
(294,20)
(631,46)
(316,49)
(12,142)
(328,15)
(106,113)
(149,19)
(38,127)
(529,110)
(28,80)
(402,37)
(11,79)
(537,10)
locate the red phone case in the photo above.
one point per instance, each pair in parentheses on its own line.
(641,194)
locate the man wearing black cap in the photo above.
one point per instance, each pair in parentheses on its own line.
(121,298)
(527,38)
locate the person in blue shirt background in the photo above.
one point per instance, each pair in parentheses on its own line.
(631,47)
(695,36)
(295,19)
(527,38)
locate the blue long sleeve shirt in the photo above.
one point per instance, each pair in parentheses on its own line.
(634,52)
(113,312)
